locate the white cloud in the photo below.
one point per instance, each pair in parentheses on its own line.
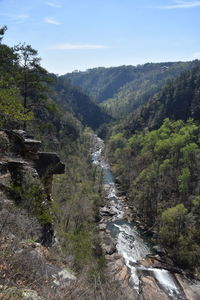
(52,4)
(16,18)
(181,4)
(196,55)
(51,20)
(21,17)
(76,47)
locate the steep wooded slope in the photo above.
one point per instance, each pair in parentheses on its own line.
(72,99)
(179,99)
(122,89)
(155,155)
(102,83)
(75,193)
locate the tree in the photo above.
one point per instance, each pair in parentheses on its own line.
(173,224)
(8,62)
(2,32)
(11,108)
(33,80)
(10,98)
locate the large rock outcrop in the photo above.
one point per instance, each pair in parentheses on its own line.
(26,177)
(29,269)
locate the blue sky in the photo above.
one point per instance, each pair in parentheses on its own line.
(82,34)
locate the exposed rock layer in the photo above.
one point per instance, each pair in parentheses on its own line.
(26,176)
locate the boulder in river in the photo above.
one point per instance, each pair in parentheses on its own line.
(123,275)
(114,257)
(102,226)
(150,289)
(151,262)
(106,211)
(191,289)
(109,247)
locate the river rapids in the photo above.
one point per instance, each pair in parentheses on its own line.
(130,244)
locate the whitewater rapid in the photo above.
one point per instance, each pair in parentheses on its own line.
(130,245)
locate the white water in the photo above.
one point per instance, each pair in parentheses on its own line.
(166,281)
(132,248)
(129,242)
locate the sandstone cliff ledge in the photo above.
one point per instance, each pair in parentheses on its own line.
(26,176)
(28,269)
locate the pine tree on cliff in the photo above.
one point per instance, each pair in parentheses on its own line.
(10,98)
(33,79)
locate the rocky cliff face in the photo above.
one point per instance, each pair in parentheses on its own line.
(26,226)
(26,176)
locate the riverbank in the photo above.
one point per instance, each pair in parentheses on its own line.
(130,259)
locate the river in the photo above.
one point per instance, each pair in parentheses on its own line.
(130,244)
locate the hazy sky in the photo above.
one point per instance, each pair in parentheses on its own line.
(82,34)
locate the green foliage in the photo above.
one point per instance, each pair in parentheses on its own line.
(23,84)
(196,202)
(2,32)
(188,254)
(159,170)
(30,194)
(177,100)
(33,198)
(180,238)
(173,224)
(166,164)
(188,152)
(73,99)
(117,141)
(81,242)
(32,79)
(147,175)
(121,90)
(76,197)
(10,106)
(184,179)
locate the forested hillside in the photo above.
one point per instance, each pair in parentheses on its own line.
(72,99)
(155,155)
(152,142)
(27,93)
(123,89)
(102,83)
(179,99)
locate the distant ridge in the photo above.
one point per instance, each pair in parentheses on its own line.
(120,90)
(178,100)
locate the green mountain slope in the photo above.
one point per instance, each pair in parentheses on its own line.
(159,170)
(73,99)
(75,193)
(123,89)
(102,83)
(179,99)
(155,155)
